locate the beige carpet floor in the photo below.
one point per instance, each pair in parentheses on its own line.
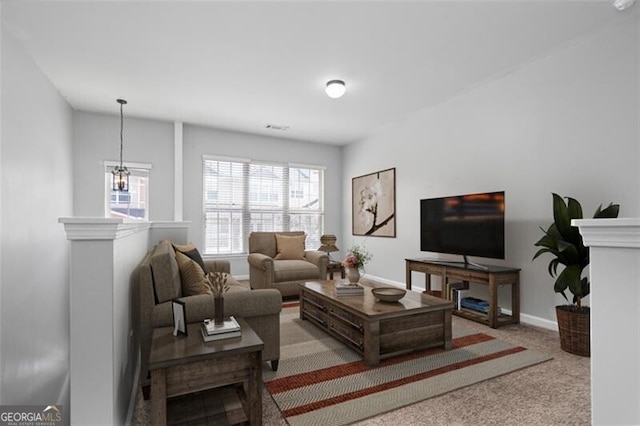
(556,392)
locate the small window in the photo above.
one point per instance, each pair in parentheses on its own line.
(133,204)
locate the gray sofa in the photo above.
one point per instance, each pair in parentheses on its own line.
(267,272)
(159,283)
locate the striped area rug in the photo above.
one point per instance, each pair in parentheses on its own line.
(320,381)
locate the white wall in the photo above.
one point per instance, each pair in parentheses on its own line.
(564,123)
(97,138)
(36,188)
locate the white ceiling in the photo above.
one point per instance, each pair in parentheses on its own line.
(242,65)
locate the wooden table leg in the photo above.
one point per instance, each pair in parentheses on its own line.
(159,397)
(515,299)
(447,329)
(255,389)
(493,302)
(371,343)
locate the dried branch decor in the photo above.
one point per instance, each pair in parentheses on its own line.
(218,283)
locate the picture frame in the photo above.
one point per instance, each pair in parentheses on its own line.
(179,317)
(374,204)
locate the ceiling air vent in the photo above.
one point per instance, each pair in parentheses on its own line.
(276,127)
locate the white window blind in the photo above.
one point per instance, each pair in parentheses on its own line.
(242,196)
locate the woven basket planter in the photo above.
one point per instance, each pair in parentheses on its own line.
(575,329)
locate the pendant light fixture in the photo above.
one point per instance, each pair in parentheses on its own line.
(120,173)
(335,88)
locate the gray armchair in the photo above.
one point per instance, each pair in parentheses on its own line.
(267,271)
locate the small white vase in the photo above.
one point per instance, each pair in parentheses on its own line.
(353,275)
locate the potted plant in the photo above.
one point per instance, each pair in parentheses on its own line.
(565,244)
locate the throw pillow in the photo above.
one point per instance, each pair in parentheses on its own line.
(191,251)
(290,247)
(192,276)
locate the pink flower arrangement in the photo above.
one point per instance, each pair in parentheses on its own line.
(351,262)
(356,257)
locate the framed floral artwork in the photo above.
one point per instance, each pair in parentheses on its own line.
(374,204)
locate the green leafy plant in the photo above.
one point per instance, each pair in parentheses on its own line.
(565,243)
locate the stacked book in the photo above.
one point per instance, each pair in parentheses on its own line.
(458,295)
(212,331)
(476,305)
(345,288)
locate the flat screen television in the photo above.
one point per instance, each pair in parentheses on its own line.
(467,225)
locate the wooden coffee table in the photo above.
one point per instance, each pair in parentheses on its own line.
(186,364)
(376,329)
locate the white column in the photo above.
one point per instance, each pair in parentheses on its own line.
(104,348)
(177,166)
(103,352)
(615,319)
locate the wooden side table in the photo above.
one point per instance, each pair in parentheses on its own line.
(186,364)
(335,267)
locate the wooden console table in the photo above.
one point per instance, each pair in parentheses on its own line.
(493,276)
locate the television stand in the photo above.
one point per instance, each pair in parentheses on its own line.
(477,265)
(492,276)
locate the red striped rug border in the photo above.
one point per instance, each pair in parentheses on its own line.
(397,383)
(325,374)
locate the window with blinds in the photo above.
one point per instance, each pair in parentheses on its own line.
(133,204)
(241,196)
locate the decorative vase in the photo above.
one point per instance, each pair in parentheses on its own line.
(353,275)
(218,305)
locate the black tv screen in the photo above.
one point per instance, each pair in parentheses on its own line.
(468,225)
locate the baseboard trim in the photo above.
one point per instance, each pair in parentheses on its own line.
(539,322)
(524,318)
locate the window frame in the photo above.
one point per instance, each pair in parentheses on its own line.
(247,210)
(136,169)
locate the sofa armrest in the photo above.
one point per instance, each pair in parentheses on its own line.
(260,261)
(320,259)
(317,257)
(217,266)
(253,303)
(249,303)
(260,270)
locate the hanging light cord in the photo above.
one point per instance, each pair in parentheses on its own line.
(121,102)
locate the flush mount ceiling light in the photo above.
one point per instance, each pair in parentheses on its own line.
(120,178)
(335,88)
(623,4)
